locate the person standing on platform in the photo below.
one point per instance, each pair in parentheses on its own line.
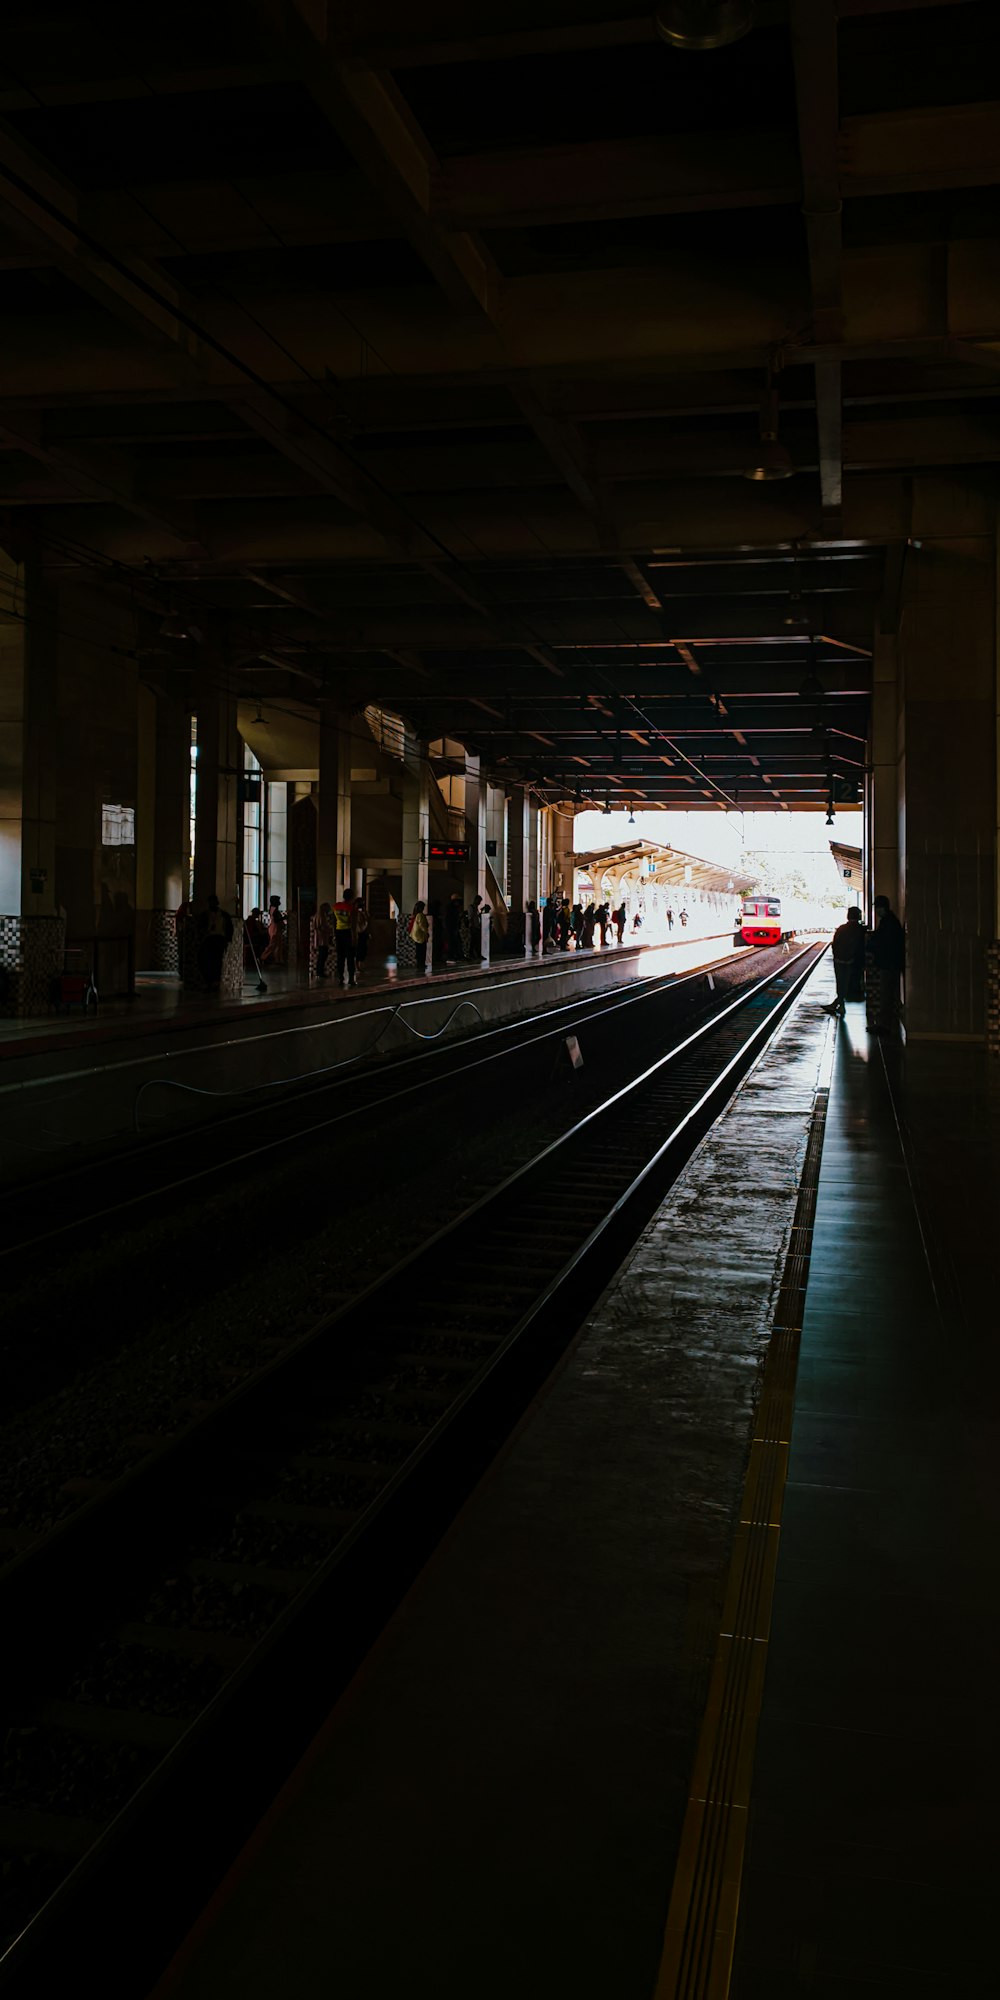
(215,932)
(586,937)
(255,931)
(565,924)
(603,920)
(420,931)
(576,923)
(323,935)
(684,920)
(361,932)
(670,918)
(277,925)
(848,951)
(887,956)
(621,915)
(453,929)
(532,926)
(345,937)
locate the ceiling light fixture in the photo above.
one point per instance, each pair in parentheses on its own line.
(703,24)
(173,627)
(631,817)
(260,720)
(772,459)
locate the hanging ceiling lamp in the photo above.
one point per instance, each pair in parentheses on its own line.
(631,817)
(772,459)
(703,24)
(260,720)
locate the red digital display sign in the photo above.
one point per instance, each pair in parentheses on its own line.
(449,850)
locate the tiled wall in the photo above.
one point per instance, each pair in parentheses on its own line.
(31,958)
(163,955)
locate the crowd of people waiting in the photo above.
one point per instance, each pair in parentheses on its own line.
(448,932)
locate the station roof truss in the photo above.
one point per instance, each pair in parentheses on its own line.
(652,863)
(416,358)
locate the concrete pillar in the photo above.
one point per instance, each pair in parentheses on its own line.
(416,827)
(162,827)
(333,857)
(534,862)
(496,835)
(882,820)
(475,832)
(563,853)
(32,928)
(519,849)
(948,823)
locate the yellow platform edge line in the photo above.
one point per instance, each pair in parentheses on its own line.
(700,1936)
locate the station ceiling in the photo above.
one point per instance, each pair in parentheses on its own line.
(415,356)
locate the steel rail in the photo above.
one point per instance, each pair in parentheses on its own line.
(447,1064)
(374,1558)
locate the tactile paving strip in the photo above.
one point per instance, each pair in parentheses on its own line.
(704,1903)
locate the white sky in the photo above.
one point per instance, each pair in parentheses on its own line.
(803,839)
(717,836)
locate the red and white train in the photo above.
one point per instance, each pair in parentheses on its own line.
(760,920)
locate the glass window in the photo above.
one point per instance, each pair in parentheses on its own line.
(193,802)
(253,832)
(277,840)
(117,826)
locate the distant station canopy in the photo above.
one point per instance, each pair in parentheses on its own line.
(639,864)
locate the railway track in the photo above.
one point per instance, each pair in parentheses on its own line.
(180,1637)
(161,1165)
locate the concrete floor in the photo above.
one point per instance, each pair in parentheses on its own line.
(872,1844)
(494,1806)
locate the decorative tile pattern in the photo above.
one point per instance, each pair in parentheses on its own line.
(163,953)
(31,958)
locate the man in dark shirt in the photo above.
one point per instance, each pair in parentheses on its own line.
(848,951)
(887,952)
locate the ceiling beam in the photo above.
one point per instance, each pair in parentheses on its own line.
(900,152)
(372,118)
(103,476)
(662,175)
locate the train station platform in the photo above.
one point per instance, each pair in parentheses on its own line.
(71,1086)
(497,1803)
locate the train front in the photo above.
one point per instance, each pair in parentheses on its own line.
(761,920)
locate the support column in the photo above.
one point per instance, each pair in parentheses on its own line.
(333,856)
(563,853)
(882,829)
(519,867)
(32,926)
(217,820)
(519,849)
(475,831)
(534,866)
(169,834)
(948,663)
(416,825)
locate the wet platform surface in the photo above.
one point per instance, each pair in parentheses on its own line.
(69,1084)
(494,1806)
(873,1848)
